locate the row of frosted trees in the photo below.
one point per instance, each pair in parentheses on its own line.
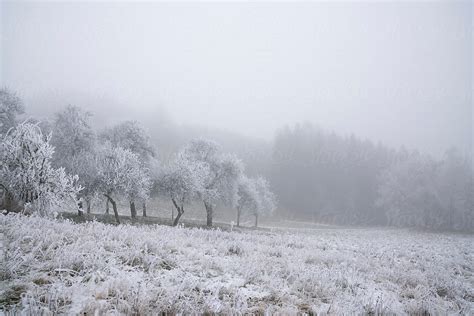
(44,164)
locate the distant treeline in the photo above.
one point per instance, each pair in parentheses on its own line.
(324,177)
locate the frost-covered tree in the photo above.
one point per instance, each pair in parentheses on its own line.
(220,183)
(181,181)
(153,171)
(118,168)
(266,199)
(137,187)
(72,133)
(417,191)
(75,143)
(26,173)
(247,197)
(10,107)
(86,166)
(131,135)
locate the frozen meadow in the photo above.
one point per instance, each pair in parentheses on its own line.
(58,267)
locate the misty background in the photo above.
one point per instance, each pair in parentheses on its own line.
(356,113)
(400,73)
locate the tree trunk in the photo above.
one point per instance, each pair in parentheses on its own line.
(208,207)
(114,206)
(80,211)
(180,210)
(238,216)
(133,210)
(7,202)
(256,220)
(144,209)
(176,220)
(107,206)
(88,203)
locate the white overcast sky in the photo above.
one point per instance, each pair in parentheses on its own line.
(398,72)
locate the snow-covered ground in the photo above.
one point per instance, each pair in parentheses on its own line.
(69,268)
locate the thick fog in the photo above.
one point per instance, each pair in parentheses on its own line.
(310,158)
(398,72)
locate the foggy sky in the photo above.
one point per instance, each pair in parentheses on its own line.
(398,72)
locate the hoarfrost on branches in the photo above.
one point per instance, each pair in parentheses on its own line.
(76,149)
(266,199)
(247,197)
(130,135)
(182,179)
(220,183)
(120,173)
(27,174)
(10,107)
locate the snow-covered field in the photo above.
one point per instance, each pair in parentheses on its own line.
(61,267)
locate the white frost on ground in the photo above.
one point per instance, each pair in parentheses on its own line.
(69,268)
